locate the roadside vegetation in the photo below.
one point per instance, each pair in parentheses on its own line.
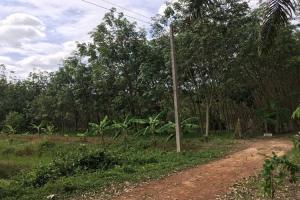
(63,166)
(279,179)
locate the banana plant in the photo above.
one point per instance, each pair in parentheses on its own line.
(168,128)
(153,125)
(48,130)
(186,126)
(123,127)
(37,127)
(296,114)
(10,129)
(101,128)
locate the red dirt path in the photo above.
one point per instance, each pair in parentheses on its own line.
(206,182)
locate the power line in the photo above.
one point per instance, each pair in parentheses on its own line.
(128,10)
(97,5)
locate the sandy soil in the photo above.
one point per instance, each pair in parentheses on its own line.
(207,181)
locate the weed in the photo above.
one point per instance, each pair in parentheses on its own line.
(8,151)
(68,168)
(277,169)
(27,151)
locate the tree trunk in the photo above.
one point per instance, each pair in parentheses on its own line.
(266,126)
(207,122)
(76,120)
(277,125)
(238,129)
(62,122)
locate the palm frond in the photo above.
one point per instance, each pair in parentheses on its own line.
(198,7)
(277,15)
(191,119)
(170,126)
(11,130)
(170,137)
(139,121)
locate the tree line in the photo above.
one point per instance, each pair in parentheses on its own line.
(224,78)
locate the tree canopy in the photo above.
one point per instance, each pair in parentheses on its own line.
(125,72)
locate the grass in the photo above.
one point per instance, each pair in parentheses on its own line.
(74,167)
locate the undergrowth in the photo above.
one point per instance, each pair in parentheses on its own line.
(68,169)
(279,179)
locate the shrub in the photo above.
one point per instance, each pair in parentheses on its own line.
(101,128)
(14,120)
(296,142)
(8,170)
(48,130)
(296,114)
(69,165)
(277,169)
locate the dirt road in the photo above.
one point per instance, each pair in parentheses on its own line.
(207,181)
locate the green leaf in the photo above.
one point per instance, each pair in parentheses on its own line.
(170,137)
(139,121)
(296,113)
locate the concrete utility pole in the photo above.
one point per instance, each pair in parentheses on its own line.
(175,90)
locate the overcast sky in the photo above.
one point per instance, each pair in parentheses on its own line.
(38,34)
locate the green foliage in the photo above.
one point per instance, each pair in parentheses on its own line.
(8,170)
(275,171)
(14,122)
(296,143)
(277,15)
(152,125)
(267,113)
(101,128)
(272,114)
(38,127)
(68,165)
(48,130)
(10,130)
(168,128)
(123,72)
(296,113)
(187,126)
(123,128)
(65,169)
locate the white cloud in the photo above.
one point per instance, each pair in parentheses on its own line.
(18,27)
(50,61)
(38,34)
(5,59)
(22,19)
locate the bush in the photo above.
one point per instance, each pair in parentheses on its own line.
(69,165)
(296,142)
(15,120)
(8,170)
(279,169)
